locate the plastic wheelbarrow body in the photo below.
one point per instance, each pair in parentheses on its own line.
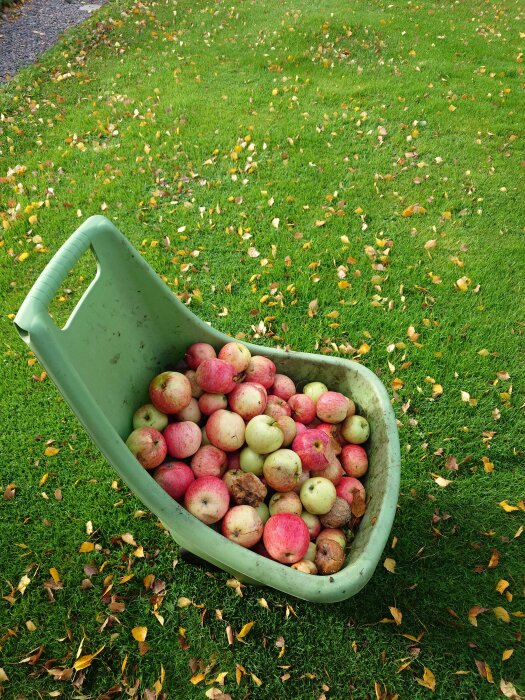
(129,326)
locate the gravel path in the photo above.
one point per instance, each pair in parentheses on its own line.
(27,31)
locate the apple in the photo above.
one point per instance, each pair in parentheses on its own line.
(191,412)
(174,478)
(207,499)
(149,416)
(303,476)
(204,435)
(225,430)
(313,447)
(209,461)
(288,502)
(333,433)
(338,516)
(148,446)
(277,407)
(197,353)
(251,461)
(209,403)
(318,495)
(248,489)
(283,387)
(311,551)
(182,439)
(288,426)
(286,538)
(248,400)
(314,390)
(303,408)
(191,376)
(299,427)
(242,525)
(332,533)
(312,523)
(237,355)
(215,376)
(230,476)
(234,461)
(354,460)
(333,472)
(282,470)
(306,566)
(263,434)
(347,488)
(329,557)
(332,407)
(261,370)
(355,429)
(261,549)
(170,392)
(263,511)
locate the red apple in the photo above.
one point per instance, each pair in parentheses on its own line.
(354,460)
(283,387)
(333,433)
(197,353)
(299,427)
(277,407)
(148,446)
(234,459)
(242,525)
(174,477)
(248,400)
(332,407)
(207,499)
(261,370)
(303,408)
(216,376)
(333,472)
(282,470)
(209,403)
(313,447)
(170,392)
(149,416)
(209,461)
(225,430)
(348,486)
(286,538)
(288,502)
(237,355)
(191,412)
(182,439)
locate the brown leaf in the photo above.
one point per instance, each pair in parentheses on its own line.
(451,463)
(9,493)
(34,657)
(473,614)
(494,559)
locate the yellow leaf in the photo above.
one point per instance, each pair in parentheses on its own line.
(428,680)
(501,614)
(247,627)
(507,654)
(23,256)
(257,681)
(488,466)
(506,507)
(463,284)
(33,220)
(502,585)
(343,284)
(148,580)
(43,479)
(128,539)
(184,602)
(452,108)
(437,389)
(483,352)
(51,451)
(363,349)
(23,584)
(86,660)
(440,481)
(54,573)
(262,602)
(397,384)
(333,314)
(396,614)
(30,625)
(197,678)
(446,214)
(473,614)
(3,676)
(86,547)
(390,565)
(139,633)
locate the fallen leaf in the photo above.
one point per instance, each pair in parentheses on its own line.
(86,547)
(494,559)
(428,680)
(507,654)
(245,630)
(86,660)
(55,575)
(128,539)
(3,676)
(390,565)
(501,614)
(509,691)
(502,585)
(183,602)
(23,584)
(506,507)
(197,678)
(440,481)
(139,633)
(396,614)
(473,613)
(51,451)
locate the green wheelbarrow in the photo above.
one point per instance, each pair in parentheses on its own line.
(127,327)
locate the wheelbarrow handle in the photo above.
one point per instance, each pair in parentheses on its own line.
(47,285)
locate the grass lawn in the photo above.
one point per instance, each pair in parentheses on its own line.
(343,179)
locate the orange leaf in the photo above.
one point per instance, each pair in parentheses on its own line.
(197,678)
(473,614)
(494,559)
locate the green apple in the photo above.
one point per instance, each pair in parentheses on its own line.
(263,511)
(318,495)
(355,430)
(251,461)
(310,552)
(314,390)
(263,434)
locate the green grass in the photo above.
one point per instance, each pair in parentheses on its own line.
(159,101)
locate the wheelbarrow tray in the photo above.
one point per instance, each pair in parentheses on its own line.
(127,327)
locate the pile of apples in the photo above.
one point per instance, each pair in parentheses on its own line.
(276,469)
